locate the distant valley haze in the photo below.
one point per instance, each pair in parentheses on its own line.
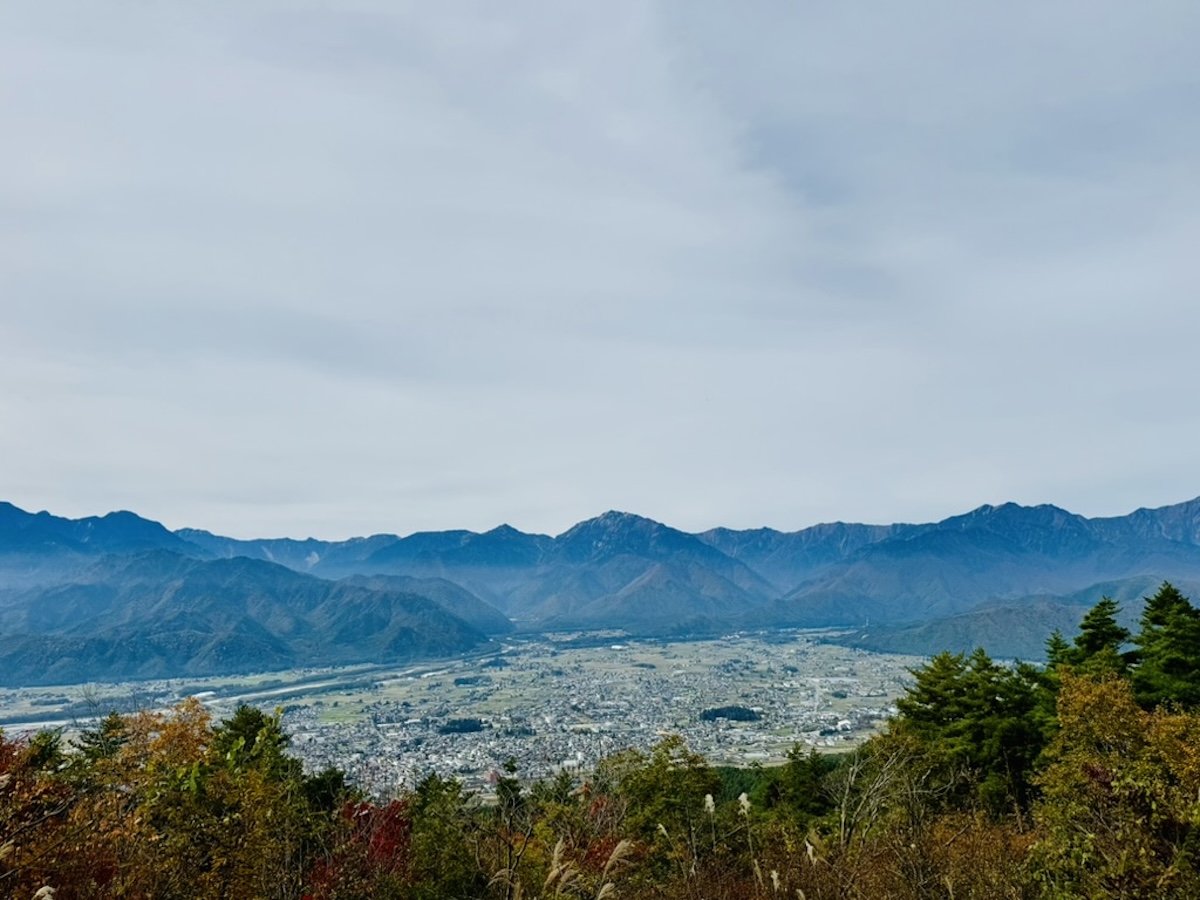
(119,596)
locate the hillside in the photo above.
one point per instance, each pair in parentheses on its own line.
(159,614)
(985,577)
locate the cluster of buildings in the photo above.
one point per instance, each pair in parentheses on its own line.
(549,703)
(550,707)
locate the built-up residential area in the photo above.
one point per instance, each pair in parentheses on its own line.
(549,705)
(548,702)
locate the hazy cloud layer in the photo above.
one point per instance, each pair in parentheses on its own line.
(288,268)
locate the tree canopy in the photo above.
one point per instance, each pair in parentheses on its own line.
(1080,779)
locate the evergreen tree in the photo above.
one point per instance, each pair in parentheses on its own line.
(1058,651)
(938,698)
(1168,651)
(797,786)
(1097,648)
(1163,606)
(252,739)
(443,861)
(103,741)
(988,717)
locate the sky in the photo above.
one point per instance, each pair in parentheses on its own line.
(330,269)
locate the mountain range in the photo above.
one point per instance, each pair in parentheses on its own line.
(121,596)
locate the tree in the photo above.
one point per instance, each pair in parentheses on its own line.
(1168,651)
(516,829)
(1057,650)
(987,718)
(1098,645)
(103,741)
(796,789)
(666,792)
(444,855)
(252,739)
(36,803)
(1118,816)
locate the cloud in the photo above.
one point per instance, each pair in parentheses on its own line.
(300,268)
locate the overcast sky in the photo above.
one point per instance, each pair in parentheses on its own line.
(284,268)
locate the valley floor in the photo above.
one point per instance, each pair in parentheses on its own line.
(545,701)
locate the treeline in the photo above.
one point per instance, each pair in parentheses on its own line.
(1079,779)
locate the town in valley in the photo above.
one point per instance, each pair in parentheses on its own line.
(549,703)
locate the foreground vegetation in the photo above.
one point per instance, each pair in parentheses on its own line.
(1079,779)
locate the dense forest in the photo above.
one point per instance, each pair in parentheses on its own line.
(1077,779)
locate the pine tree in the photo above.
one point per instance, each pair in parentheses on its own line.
(1098,645)
(103,741)
(252,739)
(1058,651)
(938,696)
(979,714)
(1168,651)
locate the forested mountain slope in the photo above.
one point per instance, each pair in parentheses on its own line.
(986,577)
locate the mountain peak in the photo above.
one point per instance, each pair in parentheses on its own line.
(121,531)
(616,533)
(504,531)
(618,515)
(1010,513)
(614,519)
(1179,523)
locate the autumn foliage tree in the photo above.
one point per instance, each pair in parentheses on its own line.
(1120,813)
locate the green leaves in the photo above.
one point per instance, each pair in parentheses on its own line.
(1168,651)
(1098,645)
(986,717)
(252,739)
(1120,797)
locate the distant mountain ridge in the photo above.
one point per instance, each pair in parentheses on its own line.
(116,532)
(901,585)
(160,614)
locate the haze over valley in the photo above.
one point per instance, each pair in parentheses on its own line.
(120,597)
